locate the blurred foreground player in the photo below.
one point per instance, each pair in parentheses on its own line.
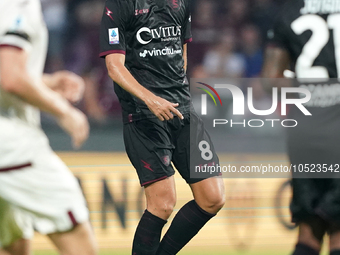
(144,45)
(37,191)
(307,35)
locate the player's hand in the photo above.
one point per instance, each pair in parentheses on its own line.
(163,109)
(68,84)
(75,123)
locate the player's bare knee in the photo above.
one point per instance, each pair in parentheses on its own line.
(167,209)
(161,202)
(162,208)
(213,203)
(217,203)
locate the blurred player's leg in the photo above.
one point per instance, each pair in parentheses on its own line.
(310,237)
(14,233)
(20,247)
(209,199)
(334,239)
(80,240)
(161,199)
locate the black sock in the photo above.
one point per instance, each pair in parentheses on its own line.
(148,234)
(186,224)
(334,252)
(303,249)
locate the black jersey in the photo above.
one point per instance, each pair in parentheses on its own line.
(151,33)
(310,31)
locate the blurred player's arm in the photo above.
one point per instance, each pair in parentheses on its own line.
(162,108)
(16,80)
(276,61)
(66,83)
(277,58)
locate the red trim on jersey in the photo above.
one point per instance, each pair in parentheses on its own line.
(6,169)
(9,45)
(159,179)
(105,53)
(72,218)
(188,40)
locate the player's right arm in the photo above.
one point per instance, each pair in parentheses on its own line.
(16,80)
(115,21)
(162,108)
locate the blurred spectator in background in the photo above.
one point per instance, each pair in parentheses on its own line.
(54,12)
(233,14)
(199,72)
(83,58)
(222,60)
(252,51)
(204,30)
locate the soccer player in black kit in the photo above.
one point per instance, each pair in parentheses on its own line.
(144,45)
(306,36)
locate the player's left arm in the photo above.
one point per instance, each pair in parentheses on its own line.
(66,83)
(185,57)
(277,57)
(276,61)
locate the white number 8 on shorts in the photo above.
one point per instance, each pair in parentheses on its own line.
(206,153)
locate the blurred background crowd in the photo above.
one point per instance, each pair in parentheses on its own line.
(228,42)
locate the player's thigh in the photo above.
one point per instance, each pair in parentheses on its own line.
(79,240)
(149,148)
(194,148)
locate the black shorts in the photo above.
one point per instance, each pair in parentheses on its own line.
(316,197)
(152,145)
(315,141)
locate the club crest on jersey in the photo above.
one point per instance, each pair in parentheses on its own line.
(114,36)
(166,160)
(175,4)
